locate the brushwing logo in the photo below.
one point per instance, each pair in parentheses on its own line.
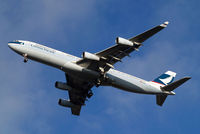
(167,80)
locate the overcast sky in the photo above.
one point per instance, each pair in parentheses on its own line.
(28,98)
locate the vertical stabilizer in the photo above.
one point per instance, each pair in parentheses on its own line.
(165,78)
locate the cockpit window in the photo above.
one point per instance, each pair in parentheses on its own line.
(17,42)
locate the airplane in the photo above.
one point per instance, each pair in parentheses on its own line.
(97,69)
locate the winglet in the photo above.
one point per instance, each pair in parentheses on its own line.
(165,24)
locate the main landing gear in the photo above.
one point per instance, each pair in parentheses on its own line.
(102,79)
(25,58)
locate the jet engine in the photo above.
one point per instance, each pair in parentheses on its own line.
(90,56)
(66,103)
(62,86)
(122,41)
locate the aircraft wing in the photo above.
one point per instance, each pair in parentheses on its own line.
(78,93)
(144,36)
(110,56)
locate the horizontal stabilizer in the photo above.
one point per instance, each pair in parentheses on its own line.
(160,99)
(175,84)
(76,110)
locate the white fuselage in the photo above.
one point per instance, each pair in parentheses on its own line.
(66,63)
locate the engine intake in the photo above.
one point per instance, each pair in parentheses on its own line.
(122,41)
(62,86)
(90,56)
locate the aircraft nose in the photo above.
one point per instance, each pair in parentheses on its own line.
(13,45)
(16,46)
(10,45)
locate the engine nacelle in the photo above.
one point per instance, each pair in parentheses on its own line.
(122,41)
(62,86)
(66,103)
(90,56)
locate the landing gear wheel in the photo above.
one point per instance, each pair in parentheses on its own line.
(25,58)
(97,82)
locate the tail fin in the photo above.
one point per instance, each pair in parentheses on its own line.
(165,78)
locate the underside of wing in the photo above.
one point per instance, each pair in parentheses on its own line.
(81,90)
(124,50)
(108,57)
(144,36)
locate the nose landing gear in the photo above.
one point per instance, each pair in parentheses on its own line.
(25,58)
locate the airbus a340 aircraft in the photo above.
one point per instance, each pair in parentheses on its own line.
(97,69)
